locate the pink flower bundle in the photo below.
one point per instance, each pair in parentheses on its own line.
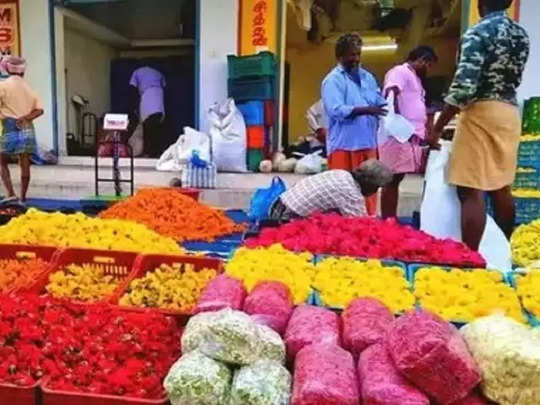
(366,237)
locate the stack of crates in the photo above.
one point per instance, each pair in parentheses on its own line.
(527,183)
(252,85)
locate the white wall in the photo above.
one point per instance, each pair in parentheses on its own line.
(36,48)
(88,72)
(530,11)
(218,33)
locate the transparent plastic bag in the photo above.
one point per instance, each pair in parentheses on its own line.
(508,356)
(365,322)
(265,382)
(382,384)
(271,304)
(324,375)
(309,324)
(222,292)
(271,345)
(431,353)
(197,379)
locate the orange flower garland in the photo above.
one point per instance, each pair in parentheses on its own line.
(170,213)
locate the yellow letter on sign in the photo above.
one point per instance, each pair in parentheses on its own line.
(258,26)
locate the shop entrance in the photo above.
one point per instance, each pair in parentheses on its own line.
(135,57)
(390,30)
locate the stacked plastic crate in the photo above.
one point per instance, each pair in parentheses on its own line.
(527,184)
(252,86)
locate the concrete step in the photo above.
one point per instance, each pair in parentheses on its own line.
(234,189)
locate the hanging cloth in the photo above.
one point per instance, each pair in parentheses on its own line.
(302,9)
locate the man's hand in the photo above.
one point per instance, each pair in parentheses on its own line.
(377,111)
(22,123)
(433,140)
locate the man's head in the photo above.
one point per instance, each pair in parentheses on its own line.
(489,6)
(348,51)
(14,65)
(422,59)
(371,175)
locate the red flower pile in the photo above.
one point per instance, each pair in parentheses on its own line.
(366,237)
(93,349)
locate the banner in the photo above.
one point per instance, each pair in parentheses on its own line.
(474,17)
(258,26)
(10,37)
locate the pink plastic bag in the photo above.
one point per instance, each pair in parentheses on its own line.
(365,322)
(324,375)
(432,354)
(222,292)
(381,383)
(270,303)
(309,324)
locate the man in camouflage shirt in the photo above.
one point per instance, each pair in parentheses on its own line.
(484,153)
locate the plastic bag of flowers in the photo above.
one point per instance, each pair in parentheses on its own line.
(264,382)
(195,331)
(365,322)
(324,375)
(309,324)
(271,304)
(229,336)
(222,292)
(431,353)
(508,356)
(271,345)
(196,379)
(381,383)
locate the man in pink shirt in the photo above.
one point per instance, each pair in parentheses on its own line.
(405,82)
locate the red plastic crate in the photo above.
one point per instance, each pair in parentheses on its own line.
(14,395)
(117,264)
(52,397)
(19,252)
(148,263)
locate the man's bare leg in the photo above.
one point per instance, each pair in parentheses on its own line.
(25,174)
(473,216)
(505,209)
(390,197)
(6,176)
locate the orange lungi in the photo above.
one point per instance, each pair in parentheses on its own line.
(349,160)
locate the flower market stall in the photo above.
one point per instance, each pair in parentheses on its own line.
(117,309)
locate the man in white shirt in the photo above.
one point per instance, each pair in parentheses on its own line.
(317,124)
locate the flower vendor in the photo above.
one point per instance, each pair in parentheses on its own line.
(334,190)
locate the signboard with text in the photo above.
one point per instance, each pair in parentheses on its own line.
(258,26)
(10,37)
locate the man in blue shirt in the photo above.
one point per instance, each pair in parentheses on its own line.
(353,103)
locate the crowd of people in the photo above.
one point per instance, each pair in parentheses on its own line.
(491,62)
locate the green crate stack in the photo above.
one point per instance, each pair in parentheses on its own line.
(253,78)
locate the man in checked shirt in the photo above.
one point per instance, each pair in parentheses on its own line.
(334,190)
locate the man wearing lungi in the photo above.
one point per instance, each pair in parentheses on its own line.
(484,156)
(405,82)
(19,107)
(353,103)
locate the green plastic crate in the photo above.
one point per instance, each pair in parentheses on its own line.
(261,64)
(254,159)
(251,89)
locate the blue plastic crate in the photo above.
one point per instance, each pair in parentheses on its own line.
(527,210)
(512,279)
(261,64)
(253,112)
(527,180)
(252,89)
(529,154)
(317,300)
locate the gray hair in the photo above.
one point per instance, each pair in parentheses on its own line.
(373,173)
